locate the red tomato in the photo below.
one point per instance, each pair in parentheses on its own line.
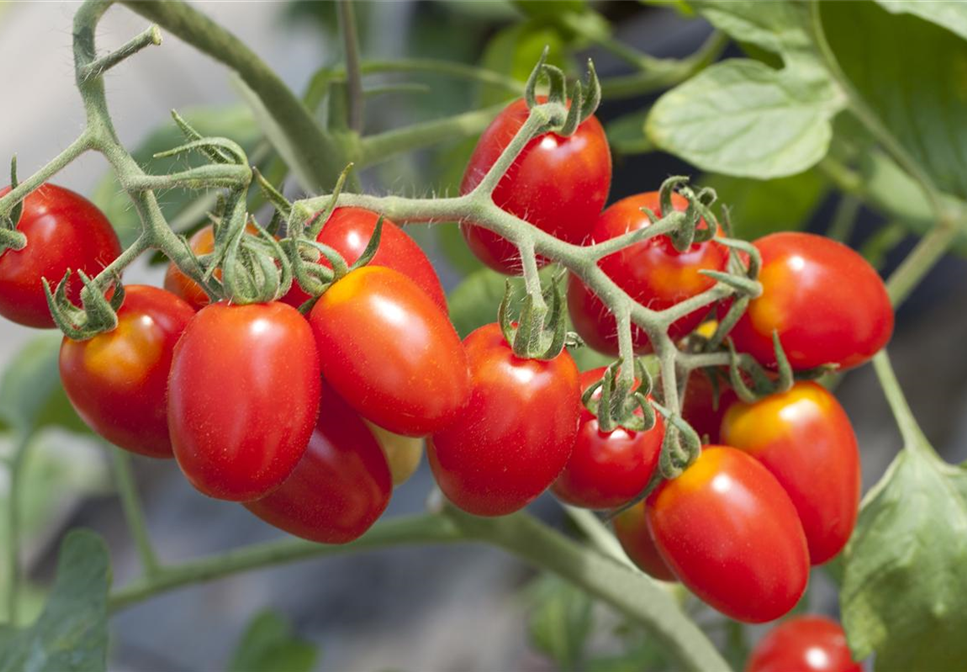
(243,397)
(202,242)
(803,644)
(557,184)
(348,231)
(516,433)
(699,407)
(631,529)
(340,487)
(727,529)
(827,303)
(805,439)
(607,469)
(64,231)
(652,272)
(390,351)
(117,381)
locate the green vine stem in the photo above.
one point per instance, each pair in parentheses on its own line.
(13,527)
(133,512)
(913,438)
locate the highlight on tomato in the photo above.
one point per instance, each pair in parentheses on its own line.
(243,397)
(558,184)
(631,529)
(803,644)
(118,380)
(64,231)
(515,434)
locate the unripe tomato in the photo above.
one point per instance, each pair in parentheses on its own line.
(607,469)
(727,529)
(243,398)
(804,438)
(348,231)
(389,351)
(340,487)
(652,272)
(828,305)
(557,184)
(803,644)
(117,381)
(631,529)
(403,453)
(700,407)
(64,231)
(515,434)
(201,242)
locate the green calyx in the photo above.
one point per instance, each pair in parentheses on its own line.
(98,314)
(10,238)
(540,330)
(584,98)
(621,404)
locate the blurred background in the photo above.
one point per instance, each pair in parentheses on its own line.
(454,608)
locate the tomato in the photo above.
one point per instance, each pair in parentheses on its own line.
(826,302)
(803,644)
(403,453)
(340,487)
(631,529)
(557,184)
(701,409)
(652,272)
(607,469)
(117,381)
(389,351)
(729,532)
(516,433)
(243,397)
(64,231)
(805,439)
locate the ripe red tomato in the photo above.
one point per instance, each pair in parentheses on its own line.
(243,397)
(557,184)
(348,231)
(825,301)
(803,644)
(805,439)
(64,231)
(117,381)
(515,434)
(727,529)
(631,529)
(340,487)
(607,469)
(201,242)
(652,272)
(699,407)
(390,351)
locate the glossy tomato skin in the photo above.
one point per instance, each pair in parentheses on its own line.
(515,434)
(828,305)
(64,231)
(729,532)
(803,644)
(608,469)
(117,381)
(652,272)
(700,407)
(390,351)
(557,184)
(804,438)
(348,231)
(340,487)
(243,397)
(631,529)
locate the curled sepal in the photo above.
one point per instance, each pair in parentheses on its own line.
(681,445)
(97,313)
(540,331)
(313,278)
(762,383)
(371,247)
(10,238)
(727,323)
(785,380)
(214,153)
(208,146)
(742,285)
(320,218)
(283,208)
(530,88)
(618,405)
(755,257)
(592,92)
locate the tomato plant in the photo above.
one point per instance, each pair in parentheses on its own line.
(803,644)
(704,405)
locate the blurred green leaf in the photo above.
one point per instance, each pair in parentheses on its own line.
(561,621)
(780,27)
(951,16)
(626,134)
(269,644)
(515,51)
(549,9)
(473,303)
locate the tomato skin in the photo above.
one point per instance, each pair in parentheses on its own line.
(804,438)
(729,532)
(390,351)
(803,644)
(340,487)
(117,381)
(608,469)
(243,397)
(631,529)
(348,231)
(516,433)
(827,303)
(64,231)
(652,272)
(557,184)
(699,407)
(403,453)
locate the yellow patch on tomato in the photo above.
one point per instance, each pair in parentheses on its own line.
(124,357)
(755,427)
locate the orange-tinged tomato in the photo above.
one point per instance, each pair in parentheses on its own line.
(631,529)
(402,452)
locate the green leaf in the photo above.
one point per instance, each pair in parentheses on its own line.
(71,633)
(473,303)
(626,134)
(550,8)
(949,15)
(561,621)
(515,51)
(780,27)
(269,644)
(904,590)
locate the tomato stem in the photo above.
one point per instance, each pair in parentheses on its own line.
(133,512)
